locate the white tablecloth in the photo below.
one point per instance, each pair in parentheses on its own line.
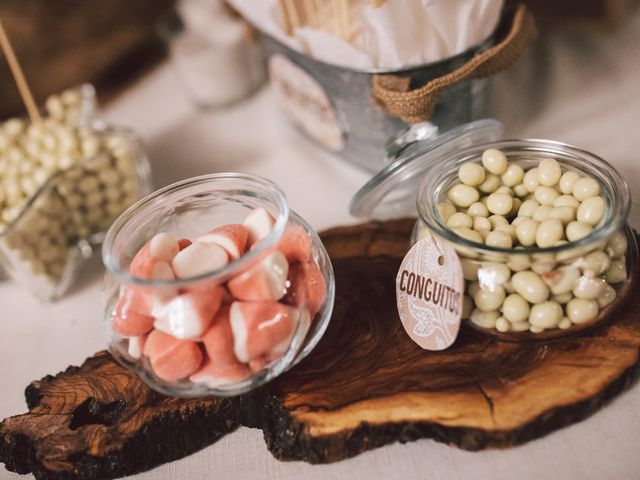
(586,92)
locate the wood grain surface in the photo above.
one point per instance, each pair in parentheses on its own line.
(365,385)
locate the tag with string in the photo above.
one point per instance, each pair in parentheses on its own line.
(430,292)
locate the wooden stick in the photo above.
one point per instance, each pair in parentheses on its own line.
(294,18)
(18,76)
(285,17)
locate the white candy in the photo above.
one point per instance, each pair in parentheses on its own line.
(468,234)
(484,319)
(481,223)
(515,308)
(488,300)
(591,210)
(607,296)
(459,219)
(260,224)
(526,232)
(562,298)
(546,314)
(520,326)
(549,232)
(492,274)
(585,187)
(528,208)
(513,175)
(199,258)
(595,262)
(566,201)
(542,213)
(478,209)
(545,195)
(499,239)
(564,214)
(500,203)
(462,195)
(490,184)
(564,323)
(582,311)
(549,172)
(617,272)
(498,221)
(530,180)
(577,230)
(530,286)
(521,190)
(471,174)
(589,288)
(494,160)
(562,280)
(617,244)
(135,347)
(567,181)
(503,325)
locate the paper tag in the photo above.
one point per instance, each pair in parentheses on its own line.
(429,293)
(305,102)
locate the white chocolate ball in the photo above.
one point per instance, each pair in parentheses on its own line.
(585,187)
(515,308)
(471,174)
(494,161)
(549,172)
(499,239)
(460,219)
(463,195)
(546,315)
(577,230)
(567,180)
(491,183)
(582,311)
(530,180)
(500,203)
(545,195)
(591,210)
(478,209)
(549,232)
(484,319)
(530,286)
(513,175)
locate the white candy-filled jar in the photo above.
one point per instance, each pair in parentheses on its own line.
(214,286)
(545,253)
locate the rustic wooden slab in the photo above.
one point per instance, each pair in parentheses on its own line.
(365,385)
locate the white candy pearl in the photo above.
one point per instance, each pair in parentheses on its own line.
(564,214)
(563,298)
(498,221)
(494,161)
(513,175)
(595,262)
(460,219)
(490,184)
(500,203)
(526,231)
(564,323)
(567,181)
(607,296)
(518,263)
(617,271)
(566,201)
(481,223)
(484,319)
(528,208)
(515,308)
(530,180)
(546,315)
(493,274)
(585,187)
(521,190)
(542,213)
(545,195)
(562,280)
(520,326)
(509,230)
(463,195)
(549,232)
(591,210)
(577,230)
(478,209)
(503,325)
(471,174)
(499,239)
(589,288)
(506,190)
(582,311)
(530,286)
(549,172)
(616,245)
(445,210)
(488,300)
(468,234)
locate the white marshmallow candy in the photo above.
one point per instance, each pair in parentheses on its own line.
(260,224)
(199,258)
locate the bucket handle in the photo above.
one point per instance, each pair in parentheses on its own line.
(392,92)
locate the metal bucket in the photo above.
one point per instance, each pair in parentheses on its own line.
(339,112)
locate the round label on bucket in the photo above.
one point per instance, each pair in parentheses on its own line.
(429,293)
(305,102)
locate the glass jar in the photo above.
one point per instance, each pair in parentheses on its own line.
(599,268)
(188,210)
(45,240)
(588,278)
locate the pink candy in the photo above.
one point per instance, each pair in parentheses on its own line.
(219,334)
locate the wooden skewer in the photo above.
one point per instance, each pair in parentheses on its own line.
(18,76)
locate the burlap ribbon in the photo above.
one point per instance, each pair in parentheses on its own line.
(392,92)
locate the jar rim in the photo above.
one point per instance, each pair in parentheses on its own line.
(144,204)
(617,188)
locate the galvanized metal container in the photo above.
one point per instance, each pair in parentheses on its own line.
(340,114)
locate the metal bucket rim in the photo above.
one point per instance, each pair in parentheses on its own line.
(483,45)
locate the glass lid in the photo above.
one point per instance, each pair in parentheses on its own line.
(391,193)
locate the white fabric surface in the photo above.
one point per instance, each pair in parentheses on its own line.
(592,100)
